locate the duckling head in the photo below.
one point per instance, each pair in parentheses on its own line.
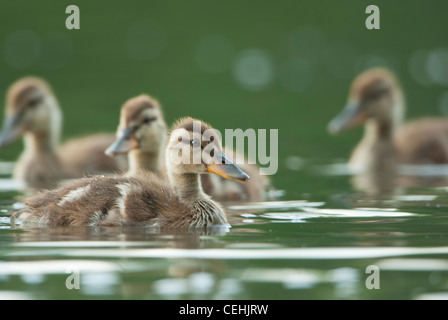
(142,127)
(375,94)
(194,147)
(30,107)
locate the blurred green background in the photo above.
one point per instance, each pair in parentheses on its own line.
(283,65)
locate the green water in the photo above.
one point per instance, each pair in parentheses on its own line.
(318,238)
(315,248)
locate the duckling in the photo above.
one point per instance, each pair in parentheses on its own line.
(142,135)
(147,199)
(376,100)
(32,111)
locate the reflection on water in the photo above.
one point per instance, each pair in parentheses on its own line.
(341,213)
(11,185)
(388,181)
(314,247)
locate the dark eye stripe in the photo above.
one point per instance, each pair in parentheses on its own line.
(148,120)
(34,102)
(375,94)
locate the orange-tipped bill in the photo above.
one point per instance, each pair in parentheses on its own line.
(227,169)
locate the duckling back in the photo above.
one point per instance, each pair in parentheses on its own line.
(85,156)
(42,171)
(423,141)
(116,201)
(97,201)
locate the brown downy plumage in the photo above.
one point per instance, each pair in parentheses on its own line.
(141,134)
(147,199)
(376,100)
(33,112)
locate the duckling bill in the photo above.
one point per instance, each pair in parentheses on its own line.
(226,169)
(147,199)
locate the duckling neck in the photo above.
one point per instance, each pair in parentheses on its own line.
(43,137)
(39,143)
(142,160)
(189,190)
(379,130)
(376,150)
(383,128)
(187,187)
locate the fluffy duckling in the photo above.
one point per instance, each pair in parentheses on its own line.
(147,199)
(142,134)
(376,100)
(32,111)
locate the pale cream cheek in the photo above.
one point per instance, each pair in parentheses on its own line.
(43,117)
(149,138)
(180,164)
(36,119)
(382,109)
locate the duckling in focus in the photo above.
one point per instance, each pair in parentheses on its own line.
(142,134)
(147,199)
(376,100)
(32,111)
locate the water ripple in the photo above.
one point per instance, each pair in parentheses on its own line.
(295,204)
(344,253)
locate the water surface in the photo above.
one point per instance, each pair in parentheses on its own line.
(311,245)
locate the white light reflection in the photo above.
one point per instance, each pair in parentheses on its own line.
(253,70)
(437,66)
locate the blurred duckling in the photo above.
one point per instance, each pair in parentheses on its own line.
(142,135)
(33,112)
(376,100)
(147,199)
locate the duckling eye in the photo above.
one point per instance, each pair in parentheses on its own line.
(148,120)
(34,102)
(195,143)
(378,93)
